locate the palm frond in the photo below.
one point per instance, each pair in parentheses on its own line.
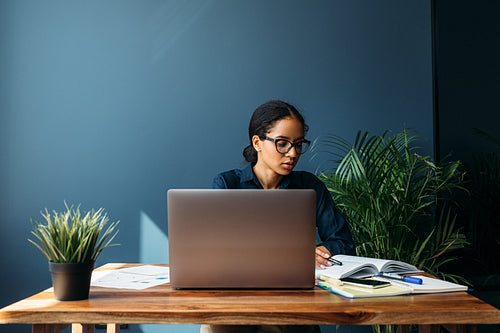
(390,195)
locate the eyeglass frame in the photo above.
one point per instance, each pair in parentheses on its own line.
(292,144)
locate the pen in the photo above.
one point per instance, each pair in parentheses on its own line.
(394,276)
(335,261)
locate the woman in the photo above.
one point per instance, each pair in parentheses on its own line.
(277,139)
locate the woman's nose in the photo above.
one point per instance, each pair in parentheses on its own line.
(292,152)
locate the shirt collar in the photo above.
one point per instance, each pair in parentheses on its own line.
(247,175)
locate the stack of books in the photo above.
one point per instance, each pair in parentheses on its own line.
(333,278)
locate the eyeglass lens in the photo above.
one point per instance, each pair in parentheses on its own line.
(284,146)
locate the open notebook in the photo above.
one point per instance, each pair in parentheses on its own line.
(361,267)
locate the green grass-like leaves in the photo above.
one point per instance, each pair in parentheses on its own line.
(73,237)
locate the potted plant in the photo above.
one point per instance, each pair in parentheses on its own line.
(394,200)
(72,241)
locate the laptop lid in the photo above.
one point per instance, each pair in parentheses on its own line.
(241,238)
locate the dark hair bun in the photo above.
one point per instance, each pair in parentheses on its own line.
(250,154)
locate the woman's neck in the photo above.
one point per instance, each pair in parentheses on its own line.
(269,179)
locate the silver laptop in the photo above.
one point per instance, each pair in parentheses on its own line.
(241,238)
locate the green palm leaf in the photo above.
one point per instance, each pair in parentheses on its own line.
(390,195)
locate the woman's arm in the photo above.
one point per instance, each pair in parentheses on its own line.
(333,229)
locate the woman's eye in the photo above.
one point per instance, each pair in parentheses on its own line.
(282,144)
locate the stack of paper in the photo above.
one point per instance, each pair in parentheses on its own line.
(429,285)
(138,277)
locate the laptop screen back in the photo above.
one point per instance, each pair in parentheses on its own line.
(241,238)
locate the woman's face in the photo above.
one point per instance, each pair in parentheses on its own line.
(288,128)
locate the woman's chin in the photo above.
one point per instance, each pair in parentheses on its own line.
(287,169)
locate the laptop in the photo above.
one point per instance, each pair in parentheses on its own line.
(242,239)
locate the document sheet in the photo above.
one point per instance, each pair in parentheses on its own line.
(138,277)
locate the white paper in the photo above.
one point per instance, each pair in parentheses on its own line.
(137,277)
(429,285)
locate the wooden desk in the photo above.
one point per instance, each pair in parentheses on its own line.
(162,305)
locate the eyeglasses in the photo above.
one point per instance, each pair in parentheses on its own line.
(283,146)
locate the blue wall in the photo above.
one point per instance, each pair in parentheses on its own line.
(468,69)
(111,103)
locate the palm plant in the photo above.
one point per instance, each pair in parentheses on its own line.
(70,237)
(392,198)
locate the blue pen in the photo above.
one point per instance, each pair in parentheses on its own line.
(394,276)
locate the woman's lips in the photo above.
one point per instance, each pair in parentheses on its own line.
(289,165)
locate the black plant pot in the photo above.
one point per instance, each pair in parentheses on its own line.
(71,281)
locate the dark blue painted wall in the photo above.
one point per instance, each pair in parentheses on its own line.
(111,103)
(468,69)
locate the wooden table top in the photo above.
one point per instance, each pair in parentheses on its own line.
(164,305)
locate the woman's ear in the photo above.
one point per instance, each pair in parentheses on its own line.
(256,143)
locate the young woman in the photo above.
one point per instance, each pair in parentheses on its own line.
(277,139)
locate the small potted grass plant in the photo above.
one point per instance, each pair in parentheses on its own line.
(72,241)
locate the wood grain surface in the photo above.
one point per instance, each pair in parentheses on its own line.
(163,305)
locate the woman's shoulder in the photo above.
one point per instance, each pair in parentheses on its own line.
(227,179)
(230,174)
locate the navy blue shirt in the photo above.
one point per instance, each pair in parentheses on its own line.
(332,227)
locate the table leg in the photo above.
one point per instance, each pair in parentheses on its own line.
(113,328)
(82,328)
(48,328)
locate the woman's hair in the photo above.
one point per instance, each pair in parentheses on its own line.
(264,118)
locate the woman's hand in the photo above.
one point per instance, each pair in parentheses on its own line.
(322,255)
